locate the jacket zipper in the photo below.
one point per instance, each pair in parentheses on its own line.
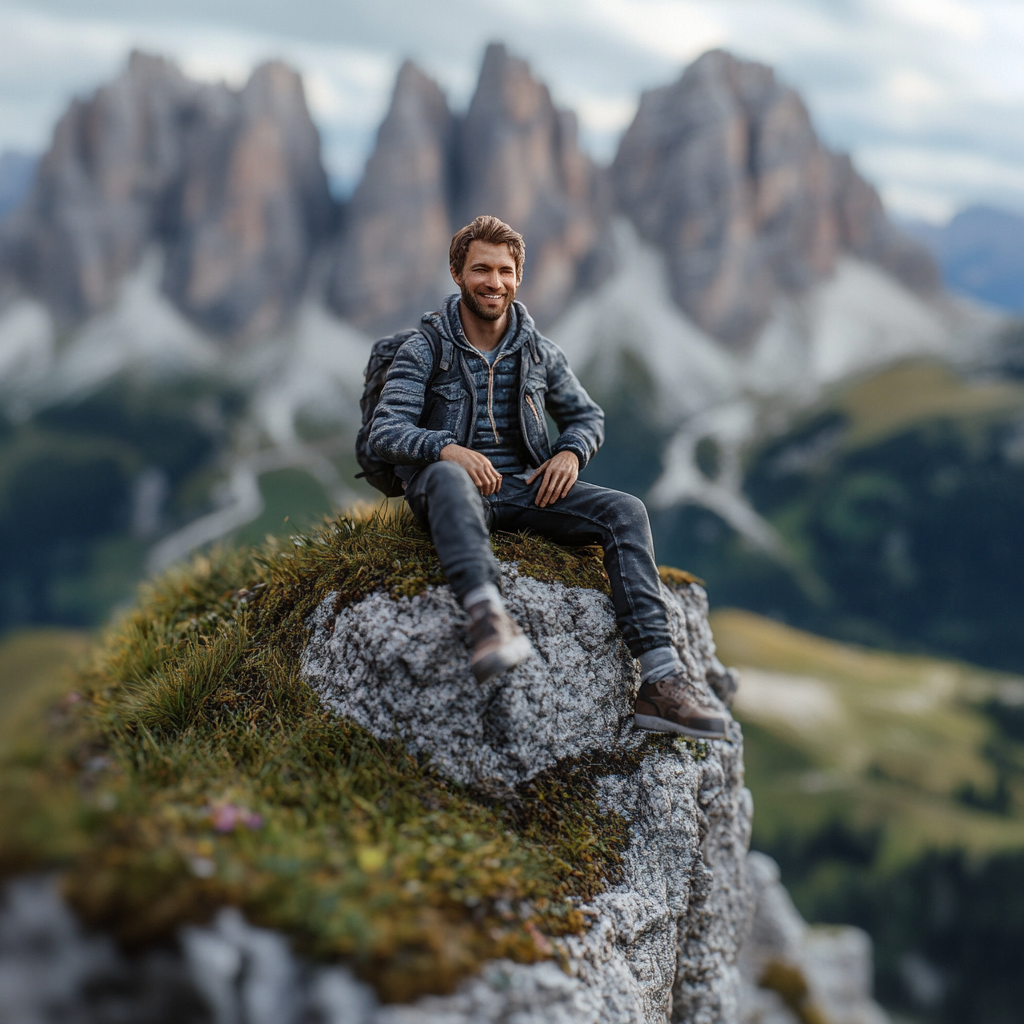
(490,395)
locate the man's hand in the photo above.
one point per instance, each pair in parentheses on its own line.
(560,474)
(485,477)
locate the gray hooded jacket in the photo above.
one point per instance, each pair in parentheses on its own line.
(413,423)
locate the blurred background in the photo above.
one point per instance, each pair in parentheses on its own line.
(781,242)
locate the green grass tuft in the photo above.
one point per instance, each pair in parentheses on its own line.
(191,715)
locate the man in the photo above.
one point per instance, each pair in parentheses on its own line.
(469,438)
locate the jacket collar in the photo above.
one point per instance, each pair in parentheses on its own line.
(448,322)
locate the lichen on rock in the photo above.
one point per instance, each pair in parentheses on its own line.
(664,935)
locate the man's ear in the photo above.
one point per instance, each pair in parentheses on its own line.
(456,276)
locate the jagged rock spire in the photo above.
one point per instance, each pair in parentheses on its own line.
(392,259)
(513,155)
(230,182)
(97,190)
(251,206)
(722,170)
(519,159)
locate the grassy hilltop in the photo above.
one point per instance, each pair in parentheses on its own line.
(190,767)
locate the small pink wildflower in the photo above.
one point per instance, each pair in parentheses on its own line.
(540,940)
(226,817)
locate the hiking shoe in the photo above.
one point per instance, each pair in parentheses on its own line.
(498,642)
(673,705)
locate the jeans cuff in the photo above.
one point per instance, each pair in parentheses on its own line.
(486,592)
(661,662)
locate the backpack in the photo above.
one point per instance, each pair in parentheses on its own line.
(382,474)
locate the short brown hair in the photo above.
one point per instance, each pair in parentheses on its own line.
(487,229)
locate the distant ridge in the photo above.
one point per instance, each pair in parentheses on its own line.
(721,171)
(981,254)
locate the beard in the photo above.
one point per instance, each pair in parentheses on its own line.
(474,305)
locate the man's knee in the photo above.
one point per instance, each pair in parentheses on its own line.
(624,509)
(442,485)
(448,476)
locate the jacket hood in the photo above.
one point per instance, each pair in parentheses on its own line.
(448,322)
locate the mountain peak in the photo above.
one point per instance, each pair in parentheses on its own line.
(506,87)
(391,260)
(513,155)
(229,182)
(721,170)
(724,172)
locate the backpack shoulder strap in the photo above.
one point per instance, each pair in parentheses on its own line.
(442,348)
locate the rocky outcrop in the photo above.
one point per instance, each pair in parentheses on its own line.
(724,172)
(229,182)
(796,974)
(391,263)
(692,929)
(665,936)
(232,973)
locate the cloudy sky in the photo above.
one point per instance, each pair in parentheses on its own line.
(927,94)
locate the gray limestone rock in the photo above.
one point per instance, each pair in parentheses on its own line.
(250,207)
(724,172)
(94,205)
(665,938)
(668,940)
(865,230)
(513,155)
(51,972)
(834,962)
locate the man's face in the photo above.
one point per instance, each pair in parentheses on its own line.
(488,280)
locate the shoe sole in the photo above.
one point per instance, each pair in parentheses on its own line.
(505,657)
(653,724)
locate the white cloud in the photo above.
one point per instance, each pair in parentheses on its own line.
(919,202)
(677,29)
(912,88)
(936,81)
(952,18)
(933,183)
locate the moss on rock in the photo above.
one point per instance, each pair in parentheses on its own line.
(194,768)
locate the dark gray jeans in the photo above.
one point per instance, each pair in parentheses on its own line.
(459,519)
